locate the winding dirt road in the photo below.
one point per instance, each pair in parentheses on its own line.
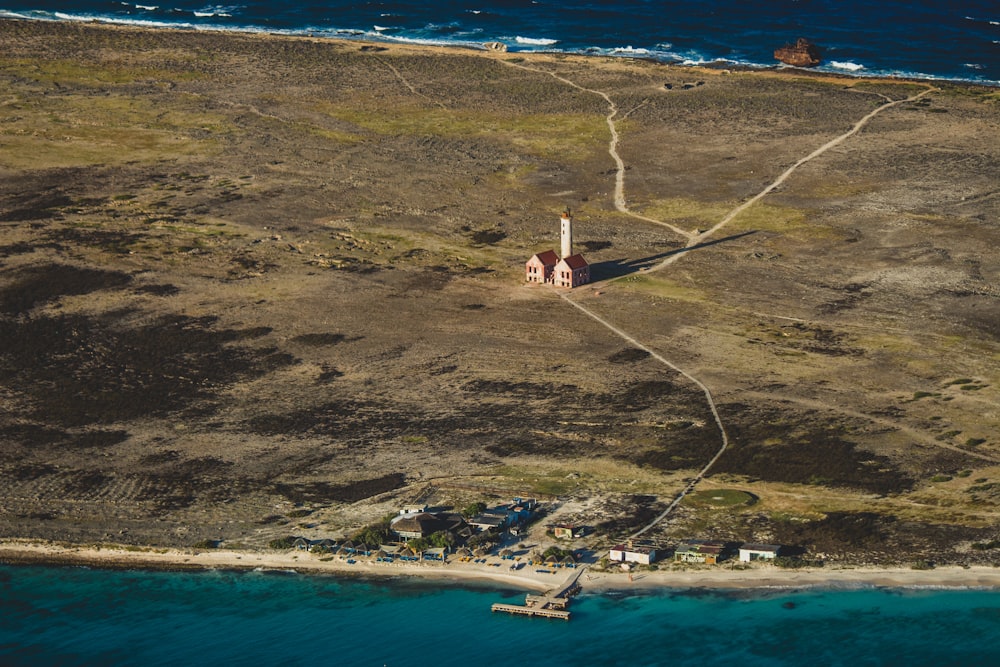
(694,240)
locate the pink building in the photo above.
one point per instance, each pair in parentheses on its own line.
(539,268)
(571,271)
(546,267)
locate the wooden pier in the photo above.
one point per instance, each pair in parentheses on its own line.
(551,605)
(525,610)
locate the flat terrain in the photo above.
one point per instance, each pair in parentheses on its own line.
(253,286)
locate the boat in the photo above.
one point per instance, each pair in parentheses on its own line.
(801,54)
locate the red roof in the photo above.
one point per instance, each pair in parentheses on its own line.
(575,262)
(547,258)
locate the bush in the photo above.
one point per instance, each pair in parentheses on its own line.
(376,533)
(474,509)
(557,552)
(282,543)
(794,562)
(206,544)
(985,546)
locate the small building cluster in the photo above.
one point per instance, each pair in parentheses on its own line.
(414,523)
(693,551)
(568,531)
(547,267)
(511,517)
(643,553)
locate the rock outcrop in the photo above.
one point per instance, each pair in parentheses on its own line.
(801,54)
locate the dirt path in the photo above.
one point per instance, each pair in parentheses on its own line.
(698,383)
(697,239)
(694,240)
(908,430)
(619,196)
(409,85)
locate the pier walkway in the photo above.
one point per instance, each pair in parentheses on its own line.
(550,605)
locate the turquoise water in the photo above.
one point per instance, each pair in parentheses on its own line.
(76,616)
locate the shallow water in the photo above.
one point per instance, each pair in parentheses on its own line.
(52,616)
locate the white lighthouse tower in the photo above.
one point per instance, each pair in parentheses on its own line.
(566,234)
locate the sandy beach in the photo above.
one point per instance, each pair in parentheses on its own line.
(453,572)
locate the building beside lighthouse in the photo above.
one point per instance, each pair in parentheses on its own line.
(569,270)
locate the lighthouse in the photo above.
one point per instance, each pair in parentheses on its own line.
(567,270)
(566,234)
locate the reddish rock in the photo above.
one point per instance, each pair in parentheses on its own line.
(802,54)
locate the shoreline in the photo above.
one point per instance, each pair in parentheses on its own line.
(719,66)
(757,578)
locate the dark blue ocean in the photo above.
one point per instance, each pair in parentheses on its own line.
(934,39)
(77,616)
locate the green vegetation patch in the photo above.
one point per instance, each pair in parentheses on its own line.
(680,209)
(65,72)
(551,135)
(721,498)
(664,287)
(78,130)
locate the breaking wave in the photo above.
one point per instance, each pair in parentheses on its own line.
(533,41)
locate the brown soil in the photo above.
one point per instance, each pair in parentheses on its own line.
(240,273)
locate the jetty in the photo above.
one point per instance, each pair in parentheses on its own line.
(550,605)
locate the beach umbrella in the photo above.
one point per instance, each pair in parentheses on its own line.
(463,552)
(480,552)
(507,553)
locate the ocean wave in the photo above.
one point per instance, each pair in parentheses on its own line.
(148,8)
(7,14)
(535,41)
(220,11)
(116,20)
(421,41)
(979,20)
(630,51)
(850,67)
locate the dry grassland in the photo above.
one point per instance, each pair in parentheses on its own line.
(244,275)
